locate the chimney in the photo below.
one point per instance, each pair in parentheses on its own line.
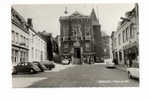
(29,22)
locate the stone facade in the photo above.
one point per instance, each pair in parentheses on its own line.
(37,46)
(125,40)
(106,46)
(20,38)
(78,34)
(27,44)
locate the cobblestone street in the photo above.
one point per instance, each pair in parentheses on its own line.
(96,75)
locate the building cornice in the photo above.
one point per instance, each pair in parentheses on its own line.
(19,26)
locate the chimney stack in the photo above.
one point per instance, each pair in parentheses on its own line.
(29,22)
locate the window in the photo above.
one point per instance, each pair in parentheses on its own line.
(27,42)
(127,34)
(65,45)
(120,55)
(32,53)
(87,30)
(65,29)
(24,40)
(13,36)
(131,31)
(119,38)
(87,33)
(17,37)
(123,36)
(13,56)
(87,46)
(21,38)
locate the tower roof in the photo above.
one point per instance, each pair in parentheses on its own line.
(94,18)
(76,13)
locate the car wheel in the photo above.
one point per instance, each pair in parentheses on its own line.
(32,71)
(129,75)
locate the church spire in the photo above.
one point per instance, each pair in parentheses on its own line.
(93,17)
(93,14)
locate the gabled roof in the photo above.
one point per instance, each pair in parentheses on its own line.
(19,16)
(76,13)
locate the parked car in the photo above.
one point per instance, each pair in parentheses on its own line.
(99,60)
(109,63)
(49,64)
(65,61)
(40,65)
(26,67)
(133,72)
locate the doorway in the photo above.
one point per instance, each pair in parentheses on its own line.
(77,52)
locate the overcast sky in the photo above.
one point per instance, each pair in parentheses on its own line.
(46,17)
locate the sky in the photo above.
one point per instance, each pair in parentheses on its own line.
(46,17)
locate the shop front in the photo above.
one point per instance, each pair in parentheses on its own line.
(131,54)
(19,55)
(88,58)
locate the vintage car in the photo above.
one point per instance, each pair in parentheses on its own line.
(25,67)
(65,62)
(49,64)
(40,65)
(133,72)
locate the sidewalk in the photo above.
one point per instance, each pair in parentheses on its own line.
(121,67)
(59,67)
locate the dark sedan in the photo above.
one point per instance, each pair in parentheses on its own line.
(48,64)
(26,67)
(40,65)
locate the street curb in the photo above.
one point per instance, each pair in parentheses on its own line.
(120,68)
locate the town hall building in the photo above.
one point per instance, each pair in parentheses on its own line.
(80,38)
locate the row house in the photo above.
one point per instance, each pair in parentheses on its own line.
(20,38)
(125,41)
(37,44)
(27,45)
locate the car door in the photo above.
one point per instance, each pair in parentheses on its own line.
(21,69)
